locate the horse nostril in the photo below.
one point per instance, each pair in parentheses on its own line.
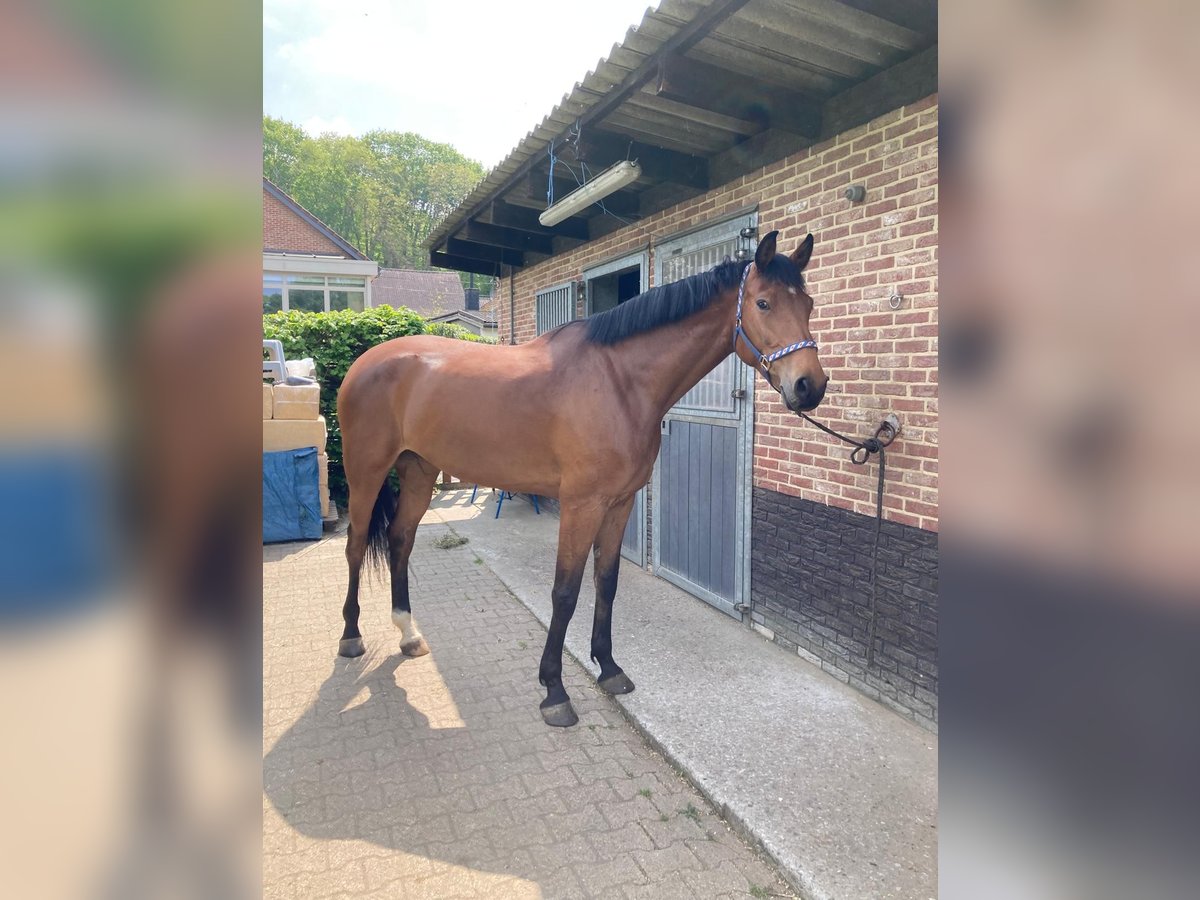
(803,388)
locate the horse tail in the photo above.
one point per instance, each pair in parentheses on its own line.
(377,531)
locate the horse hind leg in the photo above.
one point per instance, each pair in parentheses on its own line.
(370,514)
(417,478)
(372,506)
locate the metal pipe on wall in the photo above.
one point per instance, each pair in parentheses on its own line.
(512,306)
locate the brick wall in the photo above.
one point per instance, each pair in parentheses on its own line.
(879,360)
(810,592)
(285,231)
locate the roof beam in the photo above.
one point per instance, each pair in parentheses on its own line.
(717,90)
(509,238)
(913,79)
(689,35)
(511,216)
(905,82)
(647,103)
(486,252)
(917,15)
(603,148)
(463,264)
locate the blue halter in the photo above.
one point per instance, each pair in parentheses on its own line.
(763,361)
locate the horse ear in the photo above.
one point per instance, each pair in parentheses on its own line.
(802,254)
(766,250)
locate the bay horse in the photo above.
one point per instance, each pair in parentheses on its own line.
(573,414)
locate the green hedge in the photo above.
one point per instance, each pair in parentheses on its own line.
(334,340)
(446,329)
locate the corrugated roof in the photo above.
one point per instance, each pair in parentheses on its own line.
(699,93)
(424,292)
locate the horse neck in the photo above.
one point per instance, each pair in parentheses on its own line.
(673,358)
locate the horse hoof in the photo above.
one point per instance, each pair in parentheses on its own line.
(415,647)
(351,647)
(560,715)
(617,684)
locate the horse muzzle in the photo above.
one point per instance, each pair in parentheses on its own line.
(803,395)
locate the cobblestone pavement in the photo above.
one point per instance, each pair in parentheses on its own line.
(386,776)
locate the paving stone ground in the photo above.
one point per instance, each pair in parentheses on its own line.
(435,777)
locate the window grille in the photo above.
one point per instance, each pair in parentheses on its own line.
(555,306)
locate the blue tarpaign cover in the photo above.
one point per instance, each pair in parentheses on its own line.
(291,508)
(57,531)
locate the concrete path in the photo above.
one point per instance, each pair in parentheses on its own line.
(435,777)
(840,791)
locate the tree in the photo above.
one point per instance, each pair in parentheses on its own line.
(384,192)
(281,150)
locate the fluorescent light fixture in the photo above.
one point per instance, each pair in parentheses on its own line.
(611,179)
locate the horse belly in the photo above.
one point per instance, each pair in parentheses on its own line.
(489,450)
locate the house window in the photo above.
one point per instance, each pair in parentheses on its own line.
(272,293)
(555,306)
(313,293)
(347,293)
(306,293)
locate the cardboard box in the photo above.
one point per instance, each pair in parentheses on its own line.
(292,434)
(291,409)
(268,401)
(297,401)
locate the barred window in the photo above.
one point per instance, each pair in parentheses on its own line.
(555,306)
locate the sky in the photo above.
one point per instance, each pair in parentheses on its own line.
(475,74)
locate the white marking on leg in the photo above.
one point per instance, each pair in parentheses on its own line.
(408,628)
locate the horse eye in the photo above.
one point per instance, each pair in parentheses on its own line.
(763,304)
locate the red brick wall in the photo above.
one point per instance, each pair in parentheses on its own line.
(879,360)
(286,231)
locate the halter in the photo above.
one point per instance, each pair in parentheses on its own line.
(763,361)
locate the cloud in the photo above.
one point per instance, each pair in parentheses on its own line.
(479,77)
(315,126)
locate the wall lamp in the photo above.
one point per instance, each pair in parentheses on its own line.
(610,180)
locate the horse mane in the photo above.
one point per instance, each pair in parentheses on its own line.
(669,303)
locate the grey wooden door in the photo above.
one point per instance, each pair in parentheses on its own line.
(701,490)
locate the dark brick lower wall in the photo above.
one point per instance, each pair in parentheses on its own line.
(810,587)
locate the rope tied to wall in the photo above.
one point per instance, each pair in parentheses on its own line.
(862,452)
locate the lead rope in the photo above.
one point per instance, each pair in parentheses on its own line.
(884,435)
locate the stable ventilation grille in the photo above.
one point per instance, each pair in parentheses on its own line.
(714,392)
(555,306)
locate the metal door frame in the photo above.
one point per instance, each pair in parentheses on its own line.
(625,261)
(695,239)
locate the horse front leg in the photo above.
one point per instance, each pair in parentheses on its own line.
(607,566)
(576,532)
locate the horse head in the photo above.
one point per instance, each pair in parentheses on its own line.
(771,330)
